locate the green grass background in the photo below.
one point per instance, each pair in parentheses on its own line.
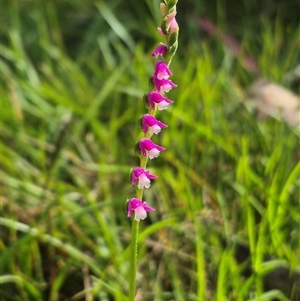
(73,75)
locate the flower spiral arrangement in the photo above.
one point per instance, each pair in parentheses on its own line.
(145,148)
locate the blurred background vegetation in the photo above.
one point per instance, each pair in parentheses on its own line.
(73,74)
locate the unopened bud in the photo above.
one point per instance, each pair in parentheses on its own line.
(163,9)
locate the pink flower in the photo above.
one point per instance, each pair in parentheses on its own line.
(169,24)
(146,145)
(173,26)
(163,85)
(149,121)
(140,209)
(162,71)
(156,98)
(169,19)
(160,50)
(143,176)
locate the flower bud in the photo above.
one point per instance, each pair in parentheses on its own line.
(163,9)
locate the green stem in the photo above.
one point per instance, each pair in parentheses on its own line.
(133,259)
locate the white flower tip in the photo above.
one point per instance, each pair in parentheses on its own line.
(155,129)
(162,75)
(144,182)
(153,153)
(162,105)
(140,214)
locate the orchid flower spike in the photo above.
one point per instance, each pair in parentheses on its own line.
(146,145)
(150,122)
(142,176)
(140,209)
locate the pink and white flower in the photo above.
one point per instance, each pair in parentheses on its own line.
(147,146)
(160,50)
(142,176)
(162,71)
(163,85)
(155,98)
(150,122)
(140,209)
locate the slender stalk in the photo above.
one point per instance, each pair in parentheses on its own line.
(145,148)
(133,259)
(134,243)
